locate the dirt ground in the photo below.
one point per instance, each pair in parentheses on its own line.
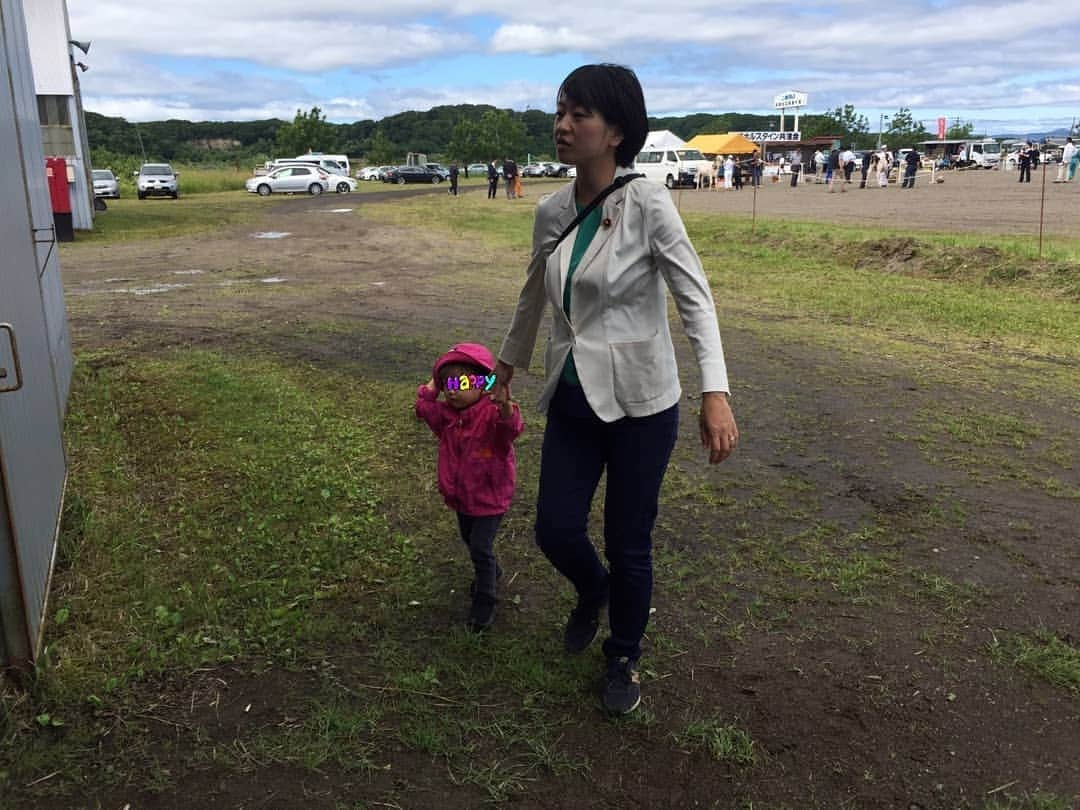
(971,201)
(850,707)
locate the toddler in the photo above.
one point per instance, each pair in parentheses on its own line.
(476,458)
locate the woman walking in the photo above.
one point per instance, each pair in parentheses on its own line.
(612,389)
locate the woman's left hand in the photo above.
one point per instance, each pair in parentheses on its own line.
(719,434)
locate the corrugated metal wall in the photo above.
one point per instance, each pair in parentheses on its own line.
(35,355)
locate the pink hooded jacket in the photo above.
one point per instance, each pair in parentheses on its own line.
(477,467)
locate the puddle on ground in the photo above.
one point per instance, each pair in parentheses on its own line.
(272,280)
(272,235)
(340,211)
(188,272)
(157,288)
(378,283)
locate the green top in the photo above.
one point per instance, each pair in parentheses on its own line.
(585,233)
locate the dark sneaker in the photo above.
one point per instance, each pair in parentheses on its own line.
(582,627)
(482,613)
(622,689)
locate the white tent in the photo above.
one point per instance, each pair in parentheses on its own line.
(663,139)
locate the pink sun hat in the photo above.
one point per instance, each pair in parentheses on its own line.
(473,354)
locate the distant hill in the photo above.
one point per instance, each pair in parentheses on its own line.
(1060,132)
(429,131)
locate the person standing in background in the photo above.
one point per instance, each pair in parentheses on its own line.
(867,159)
(493,179)
(796,167)
(883,167)
(1025,163)
(509,174)
(832,171)
(847,160)
(453,178)
(729,173)
(1069,155)
(911,165)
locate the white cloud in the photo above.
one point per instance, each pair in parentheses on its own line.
(248,59)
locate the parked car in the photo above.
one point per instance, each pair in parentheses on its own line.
(443,172)
(290,179)
(476,170)
(368,173)
(105,184)
(156,180)
(556,169)
(412,174)
(340,183)
(571,171)
(534,170)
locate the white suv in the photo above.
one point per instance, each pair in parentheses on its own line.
(157,180)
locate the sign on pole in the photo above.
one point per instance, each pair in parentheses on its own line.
(941,129)
(789,99)
(759,137)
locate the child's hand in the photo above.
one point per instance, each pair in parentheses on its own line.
(501,397)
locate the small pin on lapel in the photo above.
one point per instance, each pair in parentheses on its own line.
(607,222)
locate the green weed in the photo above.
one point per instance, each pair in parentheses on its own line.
(724,742)
(1042,654)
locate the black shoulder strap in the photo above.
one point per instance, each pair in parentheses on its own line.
(618,183)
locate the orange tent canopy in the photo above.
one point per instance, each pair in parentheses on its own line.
(731,143)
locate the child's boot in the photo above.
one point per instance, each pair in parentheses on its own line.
(482,612)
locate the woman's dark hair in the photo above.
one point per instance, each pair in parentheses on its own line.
(615,92)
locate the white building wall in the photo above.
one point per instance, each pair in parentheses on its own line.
(50,57)
(47,31)
(36,348)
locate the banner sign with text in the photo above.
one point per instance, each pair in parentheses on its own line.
(758,137)
(789,99)
(941,129)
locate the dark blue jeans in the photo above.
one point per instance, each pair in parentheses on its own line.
(577,448)
(478,533)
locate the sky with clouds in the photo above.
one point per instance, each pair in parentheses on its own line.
(1006,66)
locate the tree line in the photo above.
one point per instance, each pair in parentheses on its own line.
(465,132)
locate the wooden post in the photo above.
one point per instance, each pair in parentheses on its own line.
(753,214)
(1042,208)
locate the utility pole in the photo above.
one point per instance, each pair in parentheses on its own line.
(141,147)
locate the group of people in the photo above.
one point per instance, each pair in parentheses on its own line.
(511,178)
(611,387)
(728,172)
(1028,159)
(838,167)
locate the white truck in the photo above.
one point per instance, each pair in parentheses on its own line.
(984,154)
(980,153)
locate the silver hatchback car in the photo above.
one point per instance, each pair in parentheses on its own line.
(105,184)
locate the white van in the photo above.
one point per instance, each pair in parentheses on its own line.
(335,164)
(672,167)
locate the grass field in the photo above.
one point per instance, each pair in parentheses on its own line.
(255,590)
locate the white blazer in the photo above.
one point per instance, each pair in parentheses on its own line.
(618,324)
